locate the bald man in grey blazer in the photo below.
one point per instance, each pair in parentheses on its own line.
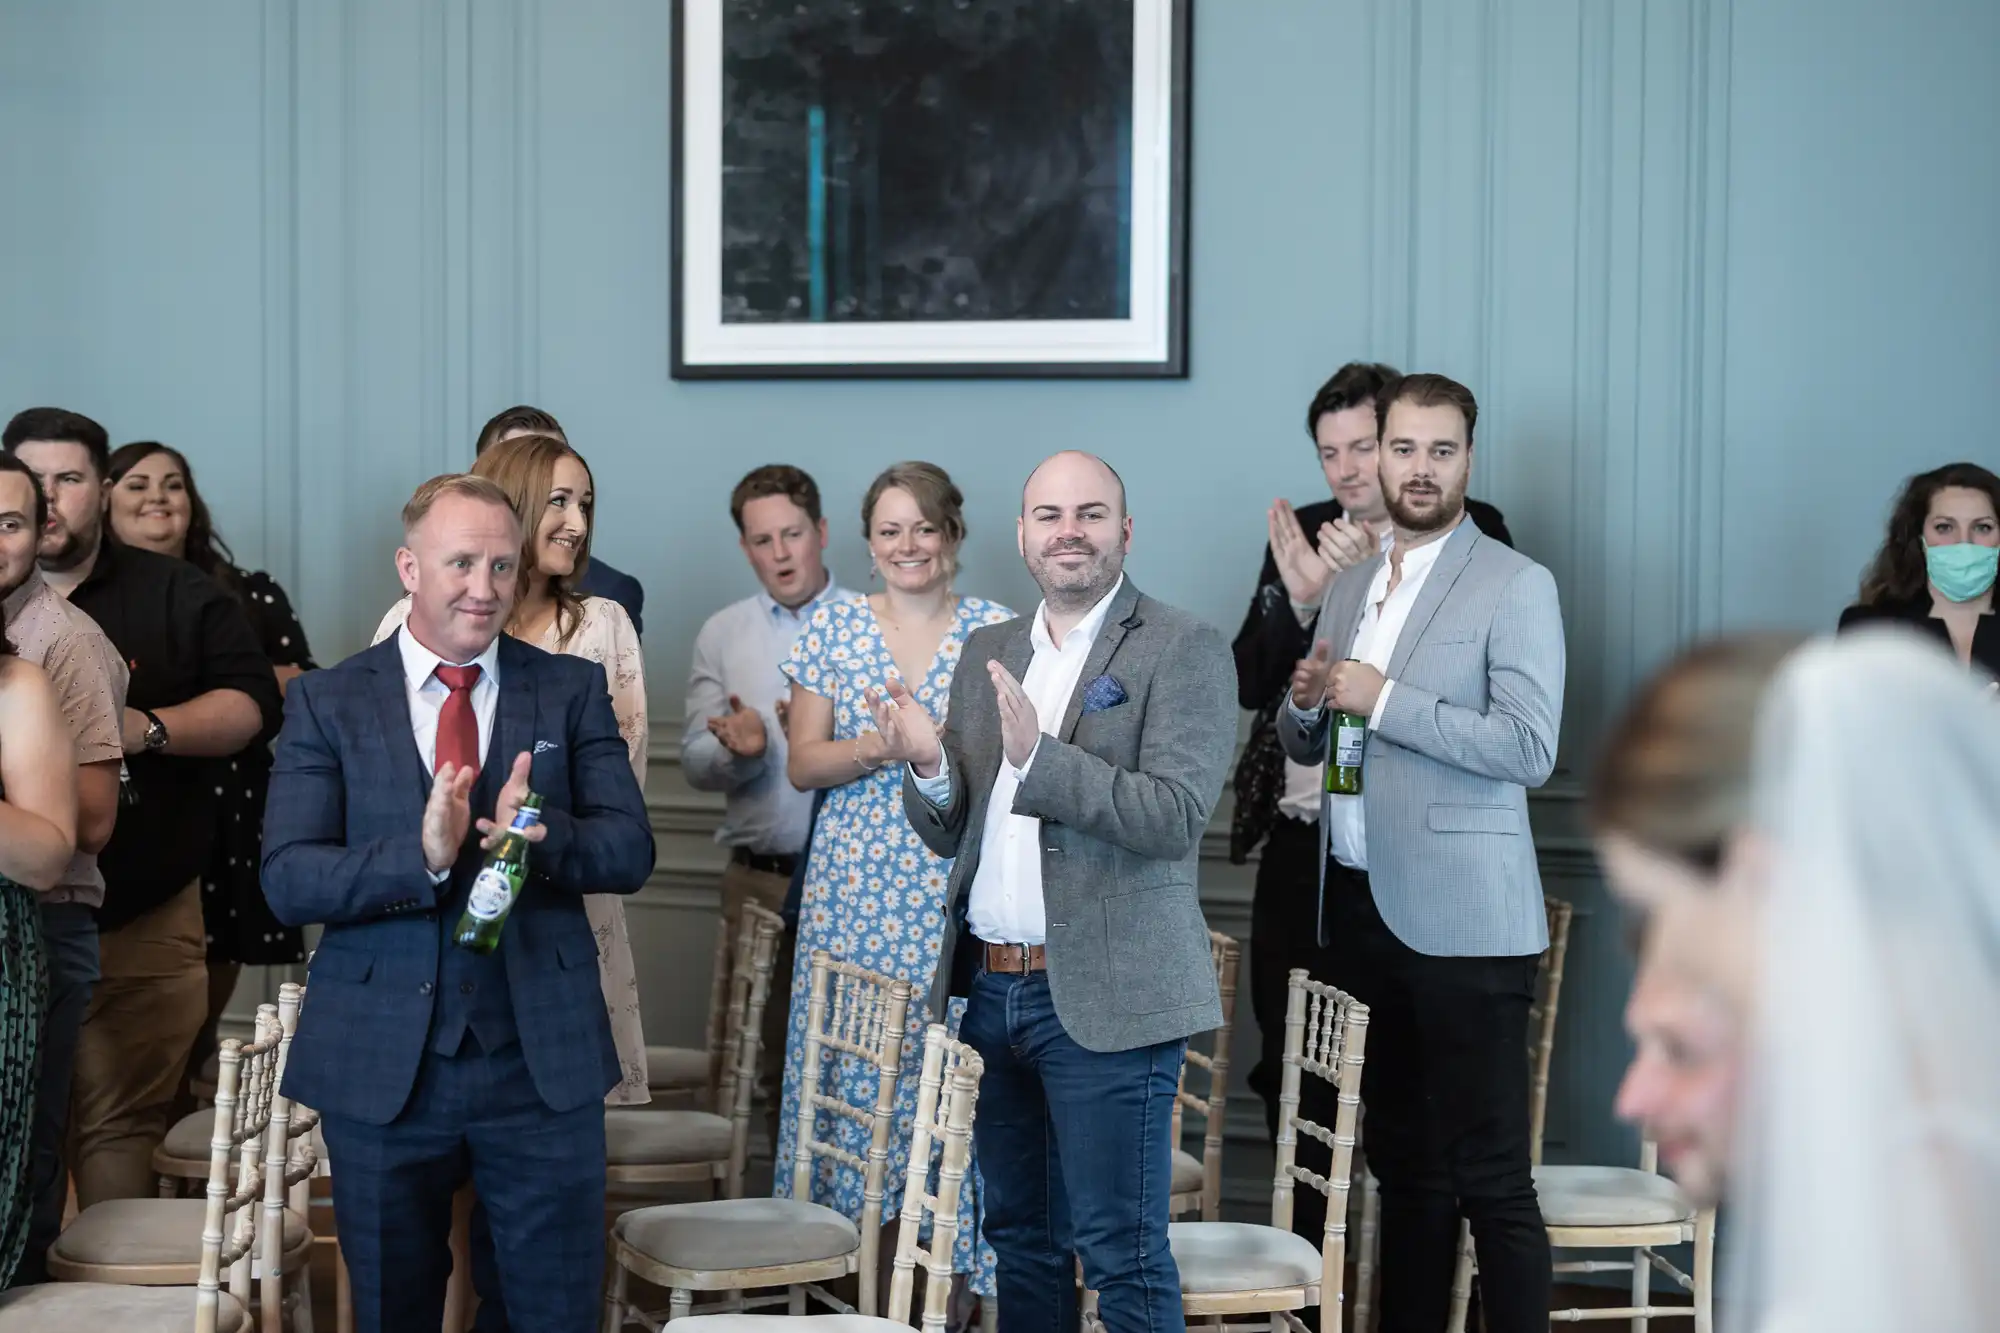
(1431,903)
(1083,751)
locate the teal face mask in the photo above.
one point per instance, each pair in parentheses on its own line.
(1962,571)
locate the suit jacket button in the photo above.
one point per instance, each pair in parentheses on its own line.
(424,989)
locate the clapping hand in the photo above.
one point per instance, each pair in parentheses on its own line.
(741,730)
(1309,677)
(511,796)
(447,816)
(1304,572)
(1343,543)
(908,734)
(1020,729)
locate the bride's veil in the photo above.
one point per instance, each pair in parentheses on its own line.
(1867,1190)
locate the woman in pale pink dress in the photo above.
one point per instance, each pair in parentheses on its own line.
(551,488)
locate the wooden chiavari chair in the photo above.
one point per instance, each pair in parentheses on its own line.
(160,1264)
(945,1109)
(735,1245)
(1197,1181)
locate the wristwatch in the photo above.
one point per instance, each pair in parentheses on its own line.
(156,732)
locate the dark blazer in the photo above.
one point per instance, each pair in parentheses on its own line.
(601,580)
(1267,647)
(1917,615)
(342,846)
(1122,794)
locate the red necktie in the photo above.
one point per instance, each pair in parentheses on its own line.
(458,725)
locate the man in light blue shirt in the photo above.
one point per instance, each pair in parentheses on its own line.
(735,737)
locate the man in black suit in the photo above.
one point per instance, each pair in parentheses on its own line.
(1275,798)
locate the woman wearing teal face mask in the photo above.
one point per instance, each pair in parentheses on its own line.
(1936,570)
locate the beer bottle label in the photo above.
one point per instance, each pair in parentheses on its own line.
(525,818)
(492,894)
(1348,743)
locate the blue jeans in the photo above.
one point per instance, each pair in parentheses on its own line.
(69,933)
(1076,1150)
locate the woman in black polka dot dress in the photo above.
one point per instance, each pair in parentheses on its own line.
(154,504)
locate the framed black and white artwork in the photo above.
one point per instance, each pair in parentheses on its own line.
(930,188)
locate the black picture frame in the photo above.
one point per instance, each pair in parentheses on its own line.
(1157,349)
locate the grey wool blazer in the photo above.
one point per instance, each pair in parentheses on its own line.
(1471,724)
(1123,794)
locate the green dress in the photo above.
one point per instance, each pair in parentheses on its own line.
(24,989)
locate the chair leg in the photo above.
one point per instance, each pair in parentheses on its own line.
(170,1188)
(1642,1289)
(1364,1264)
(989,1314)
(302,1291)
(1704,1273)
(614,1296)
(682,1304)
(795,1299)
(1461,1282)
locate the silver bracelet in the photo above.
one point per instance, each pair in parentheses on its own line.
(858,760)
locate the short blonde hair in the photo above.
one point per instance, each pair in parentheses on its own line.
(452,483)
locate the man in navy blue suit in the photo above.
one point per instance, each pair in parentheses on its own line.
(599,579)
(432,1065)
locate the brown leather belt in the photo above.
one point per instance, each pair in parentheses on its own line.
(1016,959)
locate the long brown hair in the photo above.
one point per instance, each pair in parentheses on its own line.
(525,468)
(1675,774)
(204,547)
(1897,573)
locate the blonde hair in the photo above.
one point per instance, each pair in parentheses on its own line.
(464,484)
(523,470)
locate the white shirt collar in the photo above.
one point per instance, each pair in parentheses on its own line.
(1083,633)
(420,662)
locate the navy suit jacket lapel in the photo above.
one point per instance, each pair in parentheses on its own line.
(513,721)
(392,715)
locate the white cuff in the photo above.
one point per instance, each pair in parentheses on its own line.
(1381,706)
(1021,773)
(437,876)
(936,790)
(1305,613)
(1309,716)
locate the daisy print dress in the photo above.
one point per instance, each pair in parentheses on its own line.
(875,896)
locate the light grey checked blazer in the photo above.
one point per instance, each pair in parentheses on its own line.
(1470,725)
(1123,794)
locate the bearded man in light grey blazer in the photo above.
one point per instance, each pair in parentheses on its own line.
(1082,753)
(1431,902)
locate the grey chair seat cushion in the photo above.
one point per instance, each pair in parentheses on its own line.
(1187,1173)
(637,1136)
(1609,1196)
(104,1307)
(675,1068)
(189,1138)
(739,1233)
(149,1232)
(1240,1256)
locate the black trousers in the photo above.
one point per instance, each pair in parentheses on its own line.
(1444,1090)
(1284,921)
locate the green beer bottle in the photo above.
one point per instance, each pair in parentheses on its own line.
(1350,738)
(499,883)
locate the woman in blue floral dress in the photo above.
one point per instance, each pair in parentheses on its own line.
(874,894)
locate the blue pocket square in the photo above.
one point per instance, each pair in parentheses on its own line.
(1102,693)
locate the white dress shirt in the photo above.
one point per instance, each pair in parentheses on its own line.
(1304,784)
(1004,904)
(738,652)
(427,693)
(1383,615)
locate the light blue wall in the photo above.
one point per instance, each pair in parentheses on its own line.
(1722,271)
